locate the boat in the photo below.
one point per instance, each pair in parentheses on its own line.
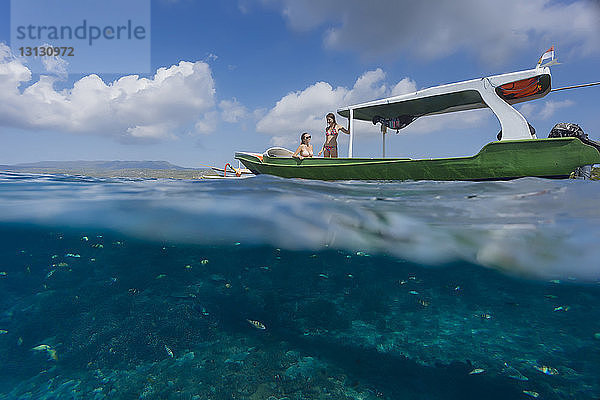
(518,152)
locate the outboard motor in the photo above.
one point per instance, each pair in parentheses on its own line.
(567,129)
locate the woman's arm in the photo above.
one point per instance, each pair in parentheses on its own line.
(322,149)
(297,153)
(341,128)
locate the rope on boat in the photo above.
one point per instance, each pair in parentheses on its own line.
(238,172)
(575,86)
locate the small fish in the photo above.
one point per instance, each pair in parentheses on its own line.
(42,347)
(3,331)
(531,393)
(514,373)
(414,292)
(544,369)
(562,308)
(424,303)
(204,262)
(486,316)
(402,282)
(98,246)
(169,351)
(62,264)
(160,276)
(257,324)
(50,273)
(85,238)
(73,255)
(324,276)
(2,273)
(477,371)
(52,354)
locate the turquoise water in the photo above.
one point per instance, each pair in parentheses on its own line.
(266,288)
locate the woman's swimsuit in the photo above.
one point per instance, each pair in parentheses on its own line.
(334,133)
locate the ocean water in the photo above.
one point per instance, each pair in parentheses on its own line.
(266,288)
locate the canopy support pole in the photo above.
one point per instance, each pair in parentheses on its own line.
(514,126)
(351,126)
(383,132)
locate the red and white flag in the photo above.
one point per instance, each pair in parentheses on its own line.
(549,54)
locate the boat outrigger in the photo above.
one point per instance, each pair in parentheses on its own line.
(517,153)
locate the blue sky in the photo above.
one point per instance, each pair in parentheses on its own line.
(250,74)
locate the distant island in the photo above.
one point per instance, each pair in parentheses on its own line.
(112,169)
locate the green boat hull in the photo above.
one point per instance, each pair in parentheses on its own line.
(548,158)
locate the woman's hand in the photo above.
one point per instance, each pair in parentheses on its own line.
(321,151)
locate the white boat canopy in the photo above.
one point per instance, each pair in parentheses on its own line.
(497,92)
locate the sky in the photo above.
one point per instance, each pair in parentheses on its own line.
(218,77)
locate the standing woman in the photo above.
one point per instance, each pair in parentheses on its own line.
(329,149)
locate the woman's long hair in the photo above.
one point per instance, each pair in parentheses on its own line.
(332,116)
(303,137)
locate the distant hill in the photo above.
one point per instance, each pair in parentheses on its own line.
(105,165)
(108,169)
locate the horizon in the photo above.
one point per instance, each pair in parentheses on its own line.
(250,74)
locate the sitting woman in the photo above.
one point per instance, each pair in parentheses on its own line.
(305,149)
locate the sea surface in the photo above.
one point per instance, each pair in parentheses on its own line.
(281,289)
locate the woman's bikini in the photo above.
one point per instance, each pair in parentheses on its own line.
(334,133)
(305,152)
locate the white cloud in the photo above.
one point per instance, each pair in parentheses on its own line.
(233,111)
(56,65)
(543,111)
(463,119)
(173,100)
(490,29)
(405,86)
(305,110)
(552,106)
